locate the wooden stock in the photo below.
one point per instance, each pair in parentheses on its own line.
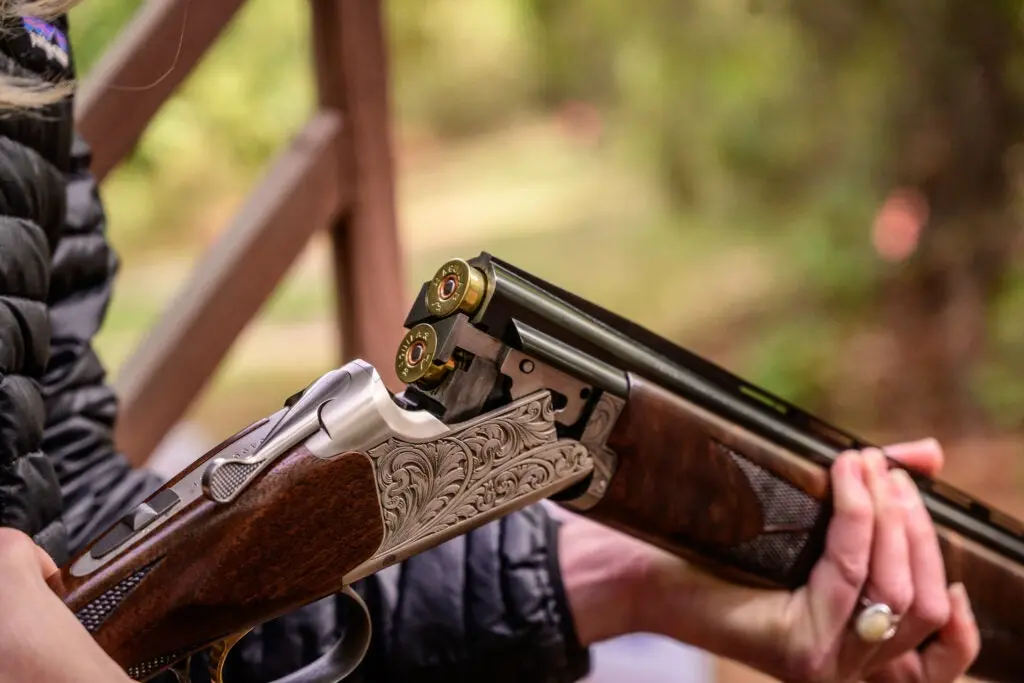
(287,540)
(757,514)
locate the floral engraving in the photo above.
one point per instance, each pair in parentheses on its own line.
(428,488)
(602,420)
(595,437)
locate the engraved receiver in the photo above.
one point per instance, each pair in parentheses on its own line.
(515,391)
(346,480)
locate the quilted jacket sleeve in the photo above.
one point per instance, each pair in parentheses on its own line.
(97,483)
(31,216)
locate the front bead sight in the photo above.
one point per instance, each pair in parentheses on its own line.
(456,286)
(414,362)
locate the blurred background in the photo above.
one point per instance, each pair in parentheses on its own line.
(822,197)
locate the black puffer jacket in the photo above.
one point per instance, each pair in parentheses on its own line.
(486,606)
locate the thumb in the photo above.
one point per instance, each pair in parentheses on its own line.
(925,456)
(50,572)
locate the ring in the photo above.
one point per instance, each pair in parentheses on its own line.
(876,622)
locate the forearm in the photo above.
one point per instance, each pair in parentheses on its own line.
(618,585)
(602,587)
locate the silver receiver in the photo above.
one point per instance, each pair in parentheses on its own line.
(365,415)
(346,409)
(226,478)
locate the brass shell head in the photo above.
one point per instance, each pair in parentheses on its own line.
(456,286)
(414,362)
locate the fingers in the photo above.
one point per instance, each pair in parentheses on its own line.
(889,578)
(47,567)
(866,554)
(882,547)
(958,643)
(835,584)
(18,553)
(925,456)
(22,559)
(49,571)
(945,660)
(889,574)
(930,608)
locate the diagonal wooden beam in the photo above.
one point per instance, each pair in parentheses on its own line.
(303,193)
(352,77)
(150,59)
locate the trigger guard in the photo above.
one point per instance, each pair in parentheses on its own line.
(343,658)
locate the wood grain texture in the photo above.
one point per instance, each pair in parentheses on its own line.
(716,505)
(996,591)
(287,540)
(679,487)
(710,492)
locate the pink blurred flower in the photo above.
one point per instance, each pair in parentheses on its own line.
(898,225)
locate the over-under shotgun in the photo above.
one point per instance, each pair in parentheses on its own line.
(515,391)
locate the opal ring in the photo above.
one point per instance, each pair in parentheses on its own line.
(876,622)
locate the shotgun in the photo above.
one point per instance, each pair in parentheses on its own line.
(515,391)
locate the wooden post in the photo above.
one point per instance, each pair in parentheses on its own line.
(351,63)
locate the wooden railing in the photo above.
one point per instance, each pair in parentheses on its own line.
(335,176)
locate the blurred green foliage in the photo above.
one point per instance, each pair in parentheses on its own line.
(777,127)
(212,139)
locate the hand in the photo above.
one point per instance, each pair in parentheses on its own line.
(881,544)
(40,639)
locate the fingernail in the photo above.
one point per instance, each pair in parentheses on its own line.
(912,446)
(856,467)
(896,489)
(875,461)
(904,485)
(957,594)
(850,489)
(844,464)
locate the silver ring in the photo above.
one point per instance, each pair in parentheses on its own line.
(876,622)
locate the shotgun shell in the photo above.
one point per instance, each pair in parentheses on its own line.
(414,363)
(456,286)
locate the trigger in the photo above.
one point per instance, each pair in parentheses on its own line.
(219,655)
(342,659)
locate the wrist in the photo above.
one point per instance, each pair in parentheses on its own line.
(616,585)
(606,579)
(687,604)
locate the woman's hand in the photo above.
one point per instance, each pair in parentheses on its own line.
(40,639)
(881,547)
